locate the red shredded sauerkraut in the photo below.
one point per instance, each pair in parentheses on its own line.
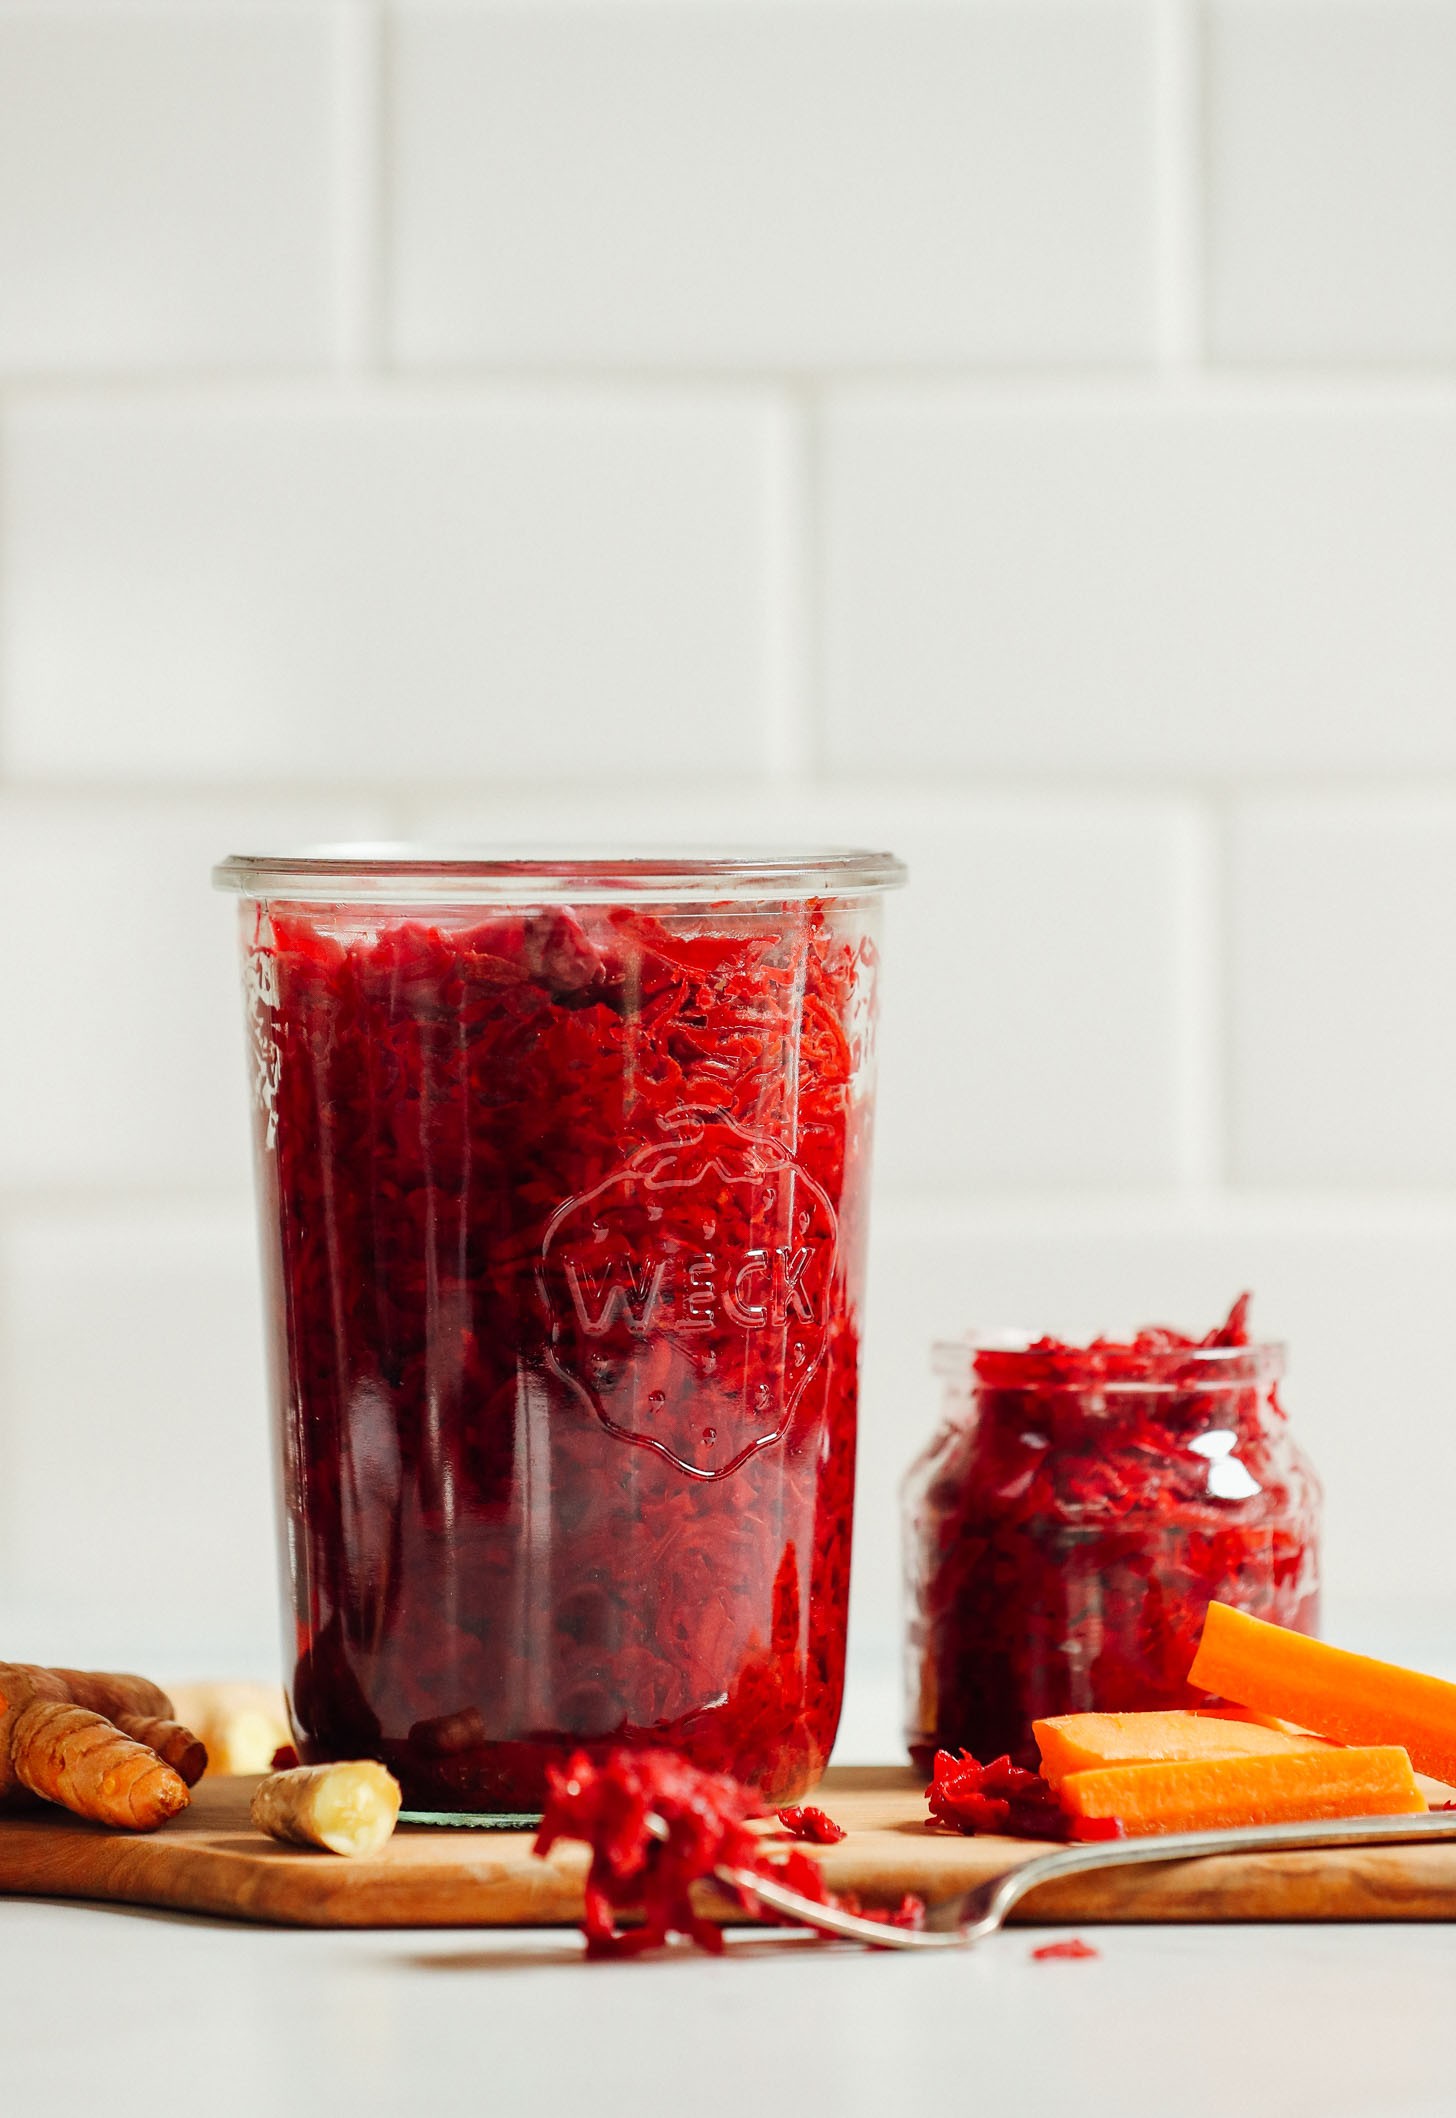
(1004,1801)
(569,1229)
(1069,1525)
(814,1826)
(656,1827)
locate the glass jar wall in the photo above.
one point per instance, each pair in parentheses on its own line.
(1079,1509)
(562,1178)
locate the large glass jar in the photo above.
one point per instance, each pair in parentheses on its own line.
(562,1174)
(1075,1515)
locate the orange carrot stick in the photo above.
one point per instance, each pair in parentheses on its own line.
(1206,1794)
(1351,1697)
(1229,1712)
(1083,1742)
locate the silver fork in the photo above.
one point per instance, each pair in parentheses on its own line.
(957,1922)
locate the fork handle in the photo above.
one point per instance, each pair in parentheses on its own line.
(991,1903)
(1193,1845)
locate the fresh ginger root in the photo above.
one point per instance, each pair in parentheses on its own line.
(94,1742)
(349,1809)
(242,1724)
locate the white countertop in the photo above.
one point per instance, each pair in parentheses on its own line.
(137,2014)
(141,2013)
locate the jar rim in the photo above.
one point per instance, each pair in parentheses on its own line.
(389,873)
(1218,1367)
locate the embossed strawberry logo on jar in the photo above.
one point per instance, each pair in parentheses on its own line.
(690,1293)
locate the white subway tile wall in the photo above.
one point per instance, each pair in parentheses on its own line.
(1018,432)
(1332,180)
(748,186)
(389,588)
(1123,580)
(137,1082)
(168,188)
(1343,996)
(138,1472)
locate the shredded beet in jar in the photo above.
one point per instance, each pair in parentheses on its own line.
(1069,1525)
(563,1214)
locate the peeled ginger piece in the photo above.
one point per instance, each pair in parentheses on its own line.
(350,1809)
(242,1724)
(1082,1742)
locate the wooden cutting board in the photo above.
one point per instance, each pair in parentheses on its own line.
(212,1860)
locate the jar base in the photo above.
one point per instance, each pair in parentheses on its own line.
(471,1820)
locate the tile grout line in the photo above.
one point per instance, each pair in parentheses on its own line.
(812,563)
(359,181)
(945,793)
(6,762)
(1233,386)
(918,1209)
(783,741)
(793,734)
(898,1208)
(1202,1003)
(1179,184)
(59,1200)
(1224,1047)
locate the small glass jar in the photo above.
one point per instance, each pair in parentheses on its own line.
(562,1169)
(1075,1515)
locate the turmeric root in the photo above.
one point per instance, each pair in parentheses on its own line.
(20,1682)
(69,1755)
(93,1741)
(349,1809)
(104,1692)
(175,1745)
